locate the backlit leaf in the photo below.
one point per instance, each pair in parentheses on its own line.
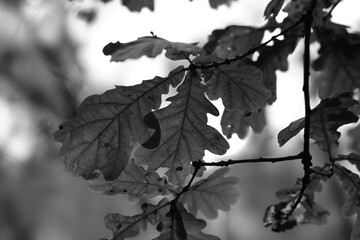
(179,224)
(325,119)
(185,133)
(233,40)
(134,181)
(150,47)
(136,6)
(103,134)
(239,86)
(129,226)
(235,122)
(216,192)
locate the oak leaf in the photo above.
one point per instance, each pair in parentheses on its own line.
(136,6)
(216,192)
(239,86)
(102,136)
(325,119)
(150,47)
(185,134)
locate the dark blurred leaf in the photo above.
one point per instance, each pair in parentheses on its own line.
(239,86)
(273,8)
(134,181)
(179,224)
(150,47)
(351,186)
(339,61)
(235,122)
(274,58)
(103,134)
(326,118)
(216,192)
(137,5)
(217,3)
(130,226)
(185,133)
(353,158)
(233,40)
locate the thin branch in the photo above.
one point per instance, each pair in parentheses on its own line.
(250,51)
(255,160)
(306,159)
(332,9)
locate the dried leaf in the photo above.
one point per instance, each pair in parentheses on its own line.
(179,224)
(150,47)
(185,134)
(216,192)
(134,181)
(325,119)
(103,134)
(239,86)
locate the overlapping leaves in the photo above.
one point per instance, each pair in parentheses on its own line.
(179,224)
(103,134)
(184,132)
(216,192)
(150,47)
(134,181)
(129,226)
(351,186)
(325,119)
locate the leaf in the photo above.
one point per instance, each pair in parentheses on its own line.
(134,181)
(233,40)
(353,158)
(103,134)
(136,6)
(216,3)
(150,47)
(325,119)
(239,86)
(274,58)
(235,122)
(306,212)
(216,192)
(151,121)
(179,224)
(273,8)
(351,186)
(185,134)
(339,61)
(130,226)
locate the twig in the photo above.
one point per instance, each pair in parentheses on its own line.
(255,160)
(250,51)
(306,158)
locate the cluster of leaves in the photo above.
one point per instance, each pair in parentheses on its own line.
(122,138)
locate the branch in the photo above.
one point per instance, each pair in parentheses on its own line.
(306,158)
(250,51)
(255,160)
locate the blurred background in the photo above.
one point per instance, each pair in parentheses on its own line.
(51,59)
